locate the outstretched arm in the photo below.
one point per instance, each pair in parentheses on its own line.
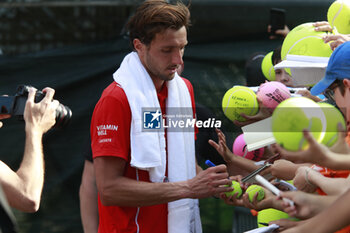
(116,189)
(333,218)
(306,205)
(23,188)
(317,154)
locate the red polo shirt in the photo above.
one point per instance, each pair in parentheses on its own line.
(110,136)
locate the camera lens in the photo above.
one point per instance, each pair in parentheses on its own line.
(63,116)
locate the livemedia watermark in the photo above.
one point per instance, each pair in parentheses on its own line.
(175,120)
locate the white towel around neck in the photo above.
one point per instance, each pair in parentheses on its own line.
(148,149)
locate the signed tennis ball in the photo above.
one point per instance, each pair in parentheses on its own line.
(333,118)
(294,115)
(338,16)
(236,189)
(304,40)
(267,67)
(252,190)
(272,94)
(237,100)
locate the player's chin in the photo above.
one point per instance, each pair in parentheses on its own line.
(168,76)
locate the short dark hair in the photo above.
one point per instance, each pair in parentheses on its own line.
(155,16)
(338,83)
(253,72)
(276,55)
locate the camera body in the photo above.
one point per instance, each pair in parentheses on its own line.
(14,106)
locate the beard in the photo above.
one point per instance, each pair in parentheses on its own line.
(167,77)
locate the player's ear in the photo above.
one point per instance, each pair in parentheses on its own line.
(346,83)
(138,45)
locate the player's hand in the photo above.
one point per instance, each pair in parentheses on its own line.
(210,182)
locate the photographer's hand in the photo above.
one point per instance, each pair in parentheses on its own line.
(40,116)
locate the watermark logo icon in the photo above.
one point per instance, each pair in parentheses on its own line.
(152,119)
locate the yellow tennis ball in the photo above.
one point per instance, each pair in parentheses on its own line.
(267,67)
(333,118)
(338,16)
(304,40)
(236,189)
(253,189)
(292,116)
(237,100)
(268,215)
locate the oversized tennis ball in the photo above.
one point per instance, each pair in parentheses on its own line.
(272,94)
(267,67)
(333,118)
(294,115)
(239,147)
(252,190)
(268,215)
(237,100)
(236,189)
(338,16)
(304,40)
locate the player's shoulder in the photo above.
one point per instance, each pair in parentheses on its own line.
(114,90)
(188,83)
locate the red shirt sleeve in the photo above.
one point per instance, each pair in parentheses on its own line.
(110,124)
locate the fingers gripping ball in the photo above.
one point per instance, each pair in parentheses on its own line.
(294,115)
(237,100)
(236,189)
(304,40)
(252,190)
(267,67)
(333,118)
(272,94)
(338,16)
(240,148)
